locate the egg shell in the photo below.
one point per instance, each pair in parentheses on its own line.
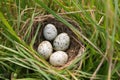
(61,42)
(49,32)
(58,58)
(45,49)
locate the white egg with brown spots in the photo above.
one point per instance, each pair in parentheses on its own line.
(45,49)
(49,32)
(58,58)
(61,42)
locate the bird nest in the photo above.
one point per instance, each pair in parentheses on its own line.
(76,47)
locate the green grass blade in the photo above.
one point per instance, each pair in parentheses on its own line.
(7,66)
(9,49)
(8,27)
(34,38)
(29,27)
(28,79)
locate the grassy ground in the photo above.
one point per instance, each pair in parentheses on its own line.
(99,21)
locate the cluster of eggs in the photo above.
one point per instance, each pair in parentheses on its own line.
(60,43)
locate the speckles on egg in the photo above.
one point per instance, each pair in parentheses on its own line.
(58,58)
(45,49)
(61,42)
(50,32)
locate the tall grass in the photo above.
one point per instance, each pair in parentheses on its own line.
(99,21)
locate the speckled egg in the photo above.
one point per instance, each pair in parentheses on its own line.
(58,58)
(45,49)
(61,42)
(49,32)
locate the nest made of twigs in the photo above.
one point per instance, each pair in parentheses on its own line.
(76,47)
